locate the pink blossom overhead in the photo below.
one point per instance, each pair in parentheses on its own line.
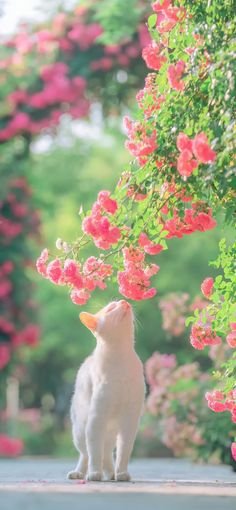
(207,287)
(220,402)
(41,262)
(153,56)
(202,149)
(175,73)
(167,15)
(203,335)
(99,227)
(134,281)
(148,246)
(186,164)
(231,337)
(183,142)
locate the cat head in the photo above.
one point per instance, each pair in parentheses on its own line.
(114,321)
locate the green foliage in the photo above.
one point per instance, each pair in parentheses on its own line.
(116,25)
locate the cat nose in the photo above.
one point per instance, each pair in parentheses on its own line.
(125,303)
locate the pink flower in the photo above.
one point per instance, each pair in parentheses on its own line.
(85,35)
(71,274)
(202,335)
(144,36)
(4,355)
(214,395)
(6,326)
(106,202)
(231,339)
(79,297)
(148,246)
(6,267)
(197,344)
(41,263)
(233,450)
(5,288)
(104,63)
(141,143)
(174,73)
(10,447)
(48,72)
(217,407)
(134,281)
(17,97)
(207,287)
(167,15)
(96,272)
(202,150)
(153,57)
(99,226)
(20,122)
(28,336)
(54,271)
(112,49)
(186,164)
(183,142)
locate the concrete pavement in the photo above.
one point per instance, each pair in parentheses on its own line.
(165,484)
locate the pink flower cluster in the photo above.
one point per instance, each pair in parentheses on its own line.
(231,337)
(99,226)
(202,335)
(134,281)
(17,219)
(14,212)
(57,88)
(60,92)
(84,35)
(175,73)
(150,91)
(148,246)
(219,402)
(167,15)
(178,430)
(81,280)
(174,310)
(195,218)
(140,143)
(199,147)
(207,287)
(153,56)
(10,446)
(29,335)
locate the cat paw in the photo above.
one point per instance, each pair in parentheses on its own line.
(110,477)
(94,476)
(75,475)
(123,477)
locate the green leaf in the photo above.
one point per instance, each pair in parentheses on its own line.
(152,20)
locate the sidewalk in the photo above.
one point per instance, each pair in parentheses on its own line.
(163,484)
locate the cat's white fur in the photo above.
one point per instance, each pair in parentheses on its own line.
(108,398)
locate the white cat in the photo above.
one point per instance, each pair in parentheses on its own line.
(109,396)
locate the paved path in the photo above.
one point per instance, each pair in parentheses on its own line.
(162,484)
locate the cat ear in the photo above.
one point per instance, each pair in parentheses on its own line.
(89,320)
